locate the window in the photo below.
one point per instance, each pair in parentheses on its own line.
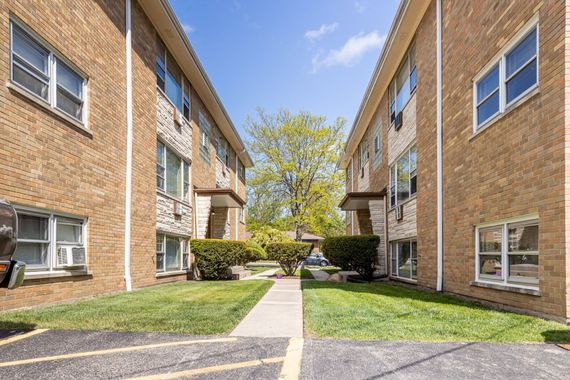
(377,143)
(41,234)
(404,83)
(508,253)
(172,253)
(172,172)
(171,80)
(205,129)
(222,150)
(241,170)
(46,75)
(242,215)
(511,76)
(404,259)
(403,178)
(363,153)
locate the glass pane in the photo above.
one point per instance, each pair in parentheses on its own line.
(404,260)
(413,79)
(488,84)
(490,240)
(159,243)
(32,253)
(173,175)
(172,254)
(69,105)
(490,267)
(521,54)
(173,86)
(413,158)
(69,233)
(32,227)
(523,238)
(160,153)
(30,82)
(522,81)
(30,51)
(403,95)
(394,268)
(403,178)
(160,262)
(488,108)
(523,269)
(68,79)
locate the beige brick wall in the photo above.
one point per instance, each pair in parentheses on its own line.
(399,141)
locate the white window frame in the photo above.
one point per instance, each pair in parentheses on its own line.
(185,86)
(505,270)
(394,270)
(184,251)
(242,215)
(183,180)
(394,175)
(241,170)
(363,153)
(500,59)
(52,239)
(53,57)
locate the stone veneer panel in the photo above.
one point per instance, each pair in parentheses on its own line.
(167,221)
(405,228)
(222,174)
(399,140)
(221,223)
(203,205)
(377,221)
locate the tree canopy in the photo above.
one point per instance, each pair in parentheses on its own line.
(295,182)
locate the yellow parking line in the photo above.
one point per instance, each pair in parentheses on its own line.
(292,364)
(565,346)
(114,351)
(206,370)
(22,336)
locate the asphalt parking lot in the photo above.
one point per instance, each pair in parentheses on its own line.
(125,355)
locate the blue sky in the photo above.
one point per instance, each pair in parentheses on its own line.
(313,55)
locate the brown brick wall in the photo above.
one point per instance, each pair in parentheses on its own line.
(50,164)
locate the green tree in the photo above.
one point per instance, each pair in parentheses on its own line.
(295,177)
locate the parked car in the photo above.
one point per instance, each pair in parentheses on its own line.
(11,271)
(317,258)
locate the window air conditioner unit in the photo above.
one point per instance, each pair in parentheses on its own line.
(362,172)
(399,212)
(70,256)
(399,119)
(178,118)
(177,209)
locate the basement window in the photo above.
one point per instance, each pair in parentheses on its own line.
(172,253)
(507,253)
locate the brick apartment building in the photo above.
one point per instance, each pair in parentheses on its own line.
(458,157)
(116,149)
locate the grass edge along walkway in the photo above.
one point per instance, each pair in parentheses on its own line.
(387,311)
(194,307)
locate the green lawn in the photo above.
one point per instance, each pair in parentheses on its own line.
(200,307)
(304,273)
(393,312)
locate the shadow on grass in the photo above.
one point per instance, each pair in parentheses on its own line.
(9,329)
(556,336)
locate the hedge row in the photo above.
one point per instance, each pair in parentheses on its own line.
(214,257)
(357,253)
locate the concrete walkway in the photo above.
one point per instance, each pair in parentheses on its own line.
(278,314)
(319,275)
(262,275)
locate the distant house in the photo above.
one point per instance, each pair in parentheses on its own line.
(309,238)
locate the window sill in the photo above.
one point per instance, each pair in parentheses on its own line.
(402,279)
(173,273)
(57,274)
(67,119)
(507,288)
(532,93)
(392,208)
(166,195)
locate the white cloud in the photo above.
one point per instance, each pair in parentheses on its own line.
(188,28)
(360,6)
(313,35)
(351,52)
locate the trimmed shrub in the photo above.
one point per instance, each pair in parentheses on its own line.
(288,255)
(356,253)
(267,235)
(214,257)
(254,252)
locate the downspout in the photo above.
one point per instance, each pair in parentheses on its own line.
(352,189)
(129,169)
(439,152)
